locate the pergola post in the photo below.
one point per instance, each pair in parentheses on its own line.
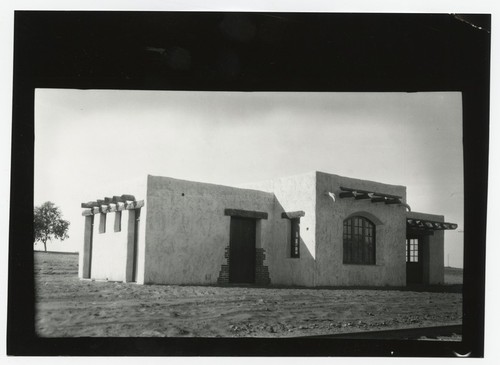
(87,247)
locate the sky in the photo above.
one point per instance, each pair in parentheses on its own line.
(85,139)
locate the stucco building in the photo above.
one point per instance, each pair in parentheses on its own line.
(315,229)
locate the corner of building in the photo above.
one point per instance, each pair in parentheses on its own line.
(334,206)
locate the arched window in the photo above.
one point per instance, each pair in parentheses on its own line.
(359,241)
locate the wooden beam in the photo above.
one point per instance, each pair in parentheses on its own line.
(128,197)
(393,201)
(370,192)
(348,189)
(362,196)
(104,208)
(129,205)
(112,207)
(139,204)
(346,195)
(411,222)
(117,199)
(120,206)
(100,202)
(245,213)
(293,215)
(89,204)
(87,212)
(95,210)
(108,200)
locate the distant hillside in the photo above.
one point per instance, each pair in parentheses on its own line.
(453,275)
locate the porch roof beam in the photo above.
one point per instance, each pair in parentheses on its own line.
(425,224)
(361,196)
(393,201)
(347,194)
(358,191)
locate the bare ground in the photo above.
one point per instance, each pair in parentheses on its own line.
(69,307)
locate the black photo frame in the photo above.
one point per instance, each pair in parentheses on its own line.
(249,52)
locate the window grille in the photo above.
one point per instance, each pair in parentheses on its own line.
(359,241)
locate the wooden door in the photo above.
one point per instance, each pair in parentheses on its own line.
(414,256)
(242,250)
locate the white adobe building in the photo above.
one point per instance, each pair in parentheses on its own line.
(315,229)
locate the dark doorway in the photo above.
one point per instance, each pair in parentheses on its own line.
(242,250)
(414,258)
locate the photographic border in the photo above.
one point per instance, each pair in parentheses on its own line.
(317,52)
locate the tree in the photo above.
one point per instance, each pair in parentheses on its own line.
(48,224)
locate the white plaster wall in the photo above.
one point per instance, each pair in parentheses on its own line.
(293,193)
(436,258)
(187,231)
(390,267)
(109,249)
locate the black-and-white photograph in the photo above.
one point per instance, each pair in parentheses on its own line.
(248,184)
(248,214)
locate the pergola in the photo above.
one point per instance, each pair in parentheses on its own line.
(114,204)
(427,225)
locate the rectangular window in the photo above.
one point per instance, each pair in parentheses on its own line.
(295,238)
(118,221)
(102,223)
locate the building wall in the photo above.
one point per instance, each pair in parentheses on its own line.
(433,247)
(184,233)
(390,267)
(187,232)
(436,258)
(293,193)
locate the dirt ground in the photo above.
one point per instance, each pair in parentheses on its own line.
(69,307)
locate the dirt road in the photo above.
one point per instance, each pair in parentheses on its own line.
(69,307)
